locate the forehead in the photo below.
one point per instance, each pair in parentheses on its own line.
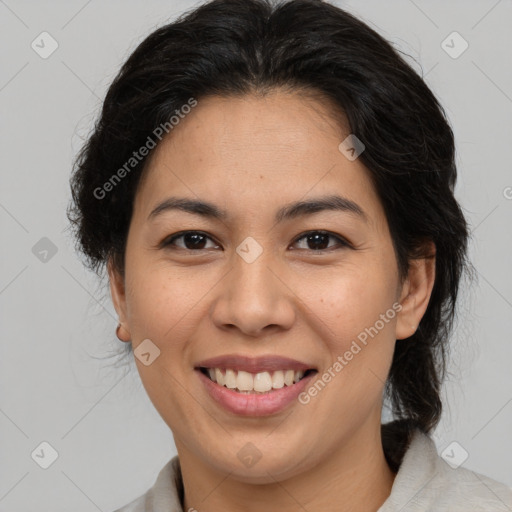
(254,153)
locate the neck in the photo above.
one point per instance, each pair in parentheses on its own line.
(355,477)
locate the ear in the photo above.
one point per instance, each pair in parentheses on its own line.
(118,294)
(415,293)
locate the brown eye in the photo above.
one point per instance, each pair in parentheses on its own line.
(315,241)
(191,240)
(318,241)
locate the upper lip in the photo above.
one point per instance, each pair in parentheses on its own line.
(268,363)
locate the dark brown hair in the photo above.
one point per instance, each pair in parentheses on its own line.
(236,47)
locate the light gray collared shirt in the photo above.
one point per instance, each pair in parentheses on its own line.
(424,482)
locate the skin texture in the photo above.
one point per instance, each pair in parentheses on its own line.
(252,155)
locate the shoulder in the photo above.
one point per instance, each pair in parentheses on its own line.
(137,505)
(425,481)
(166,493)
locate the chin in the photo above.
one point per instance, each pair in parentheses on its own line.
(263,468)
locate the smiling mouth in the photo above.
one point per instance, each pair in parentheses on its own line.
(254,383)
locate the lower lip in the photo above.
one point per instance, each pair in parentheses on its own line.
(255,404)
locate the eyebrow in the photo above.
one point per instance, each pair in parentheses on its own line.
(287,212)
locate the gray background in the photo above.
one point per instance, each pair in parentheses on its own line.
(56,317)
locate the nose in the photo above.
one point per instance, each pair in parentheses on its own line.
(254,298)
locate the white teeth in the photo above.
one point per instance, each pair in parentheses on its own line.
(219,377)
(262,382)
(278,379)
(298,375)
(244,381)
(230,379)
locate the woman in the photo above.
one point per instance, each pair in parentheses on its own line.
(270,189)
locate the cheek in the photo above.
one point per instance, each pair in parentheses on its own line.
(352,300)
(162,301)
(357,313)
(164,307)
(360,341)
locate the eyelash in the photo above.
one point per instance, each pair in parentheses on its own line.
(168,241)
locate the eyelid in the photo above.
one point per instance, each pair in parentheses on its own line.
(342,242)
(167,241)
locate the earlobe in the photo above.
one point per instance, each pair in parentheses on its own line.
(117,292)
(120,335)
(416,294)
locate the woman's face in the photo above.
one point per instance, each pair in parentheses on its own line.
(262,283)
